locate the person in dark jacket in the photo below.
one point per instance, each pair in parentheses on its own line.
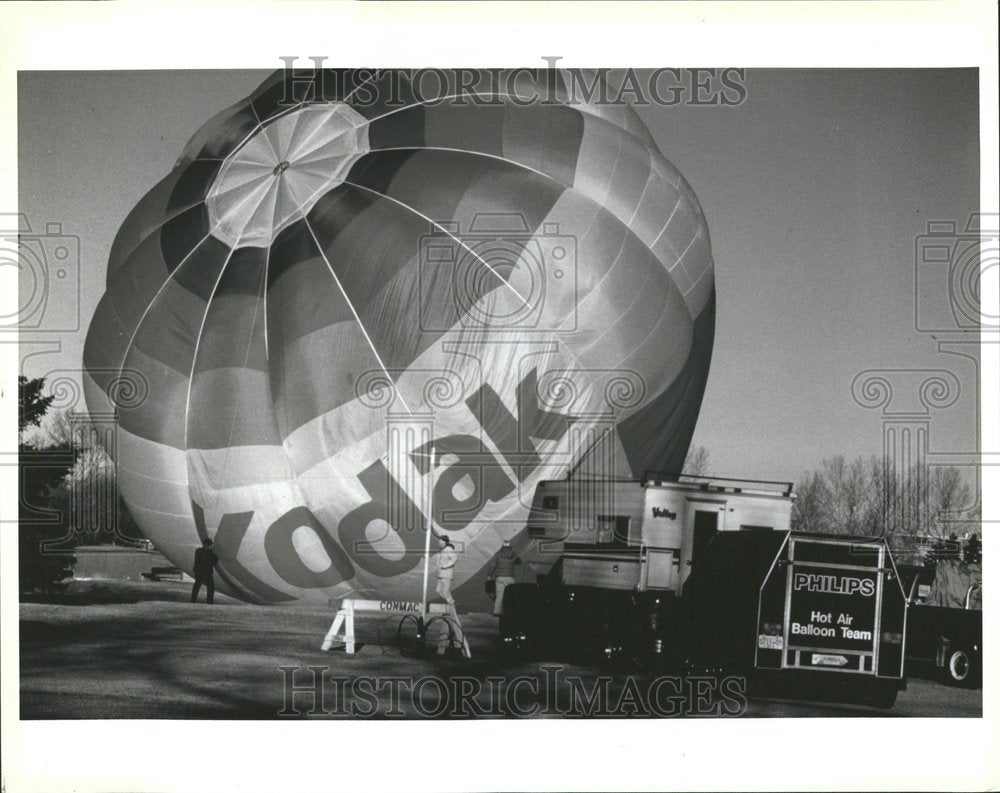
(502,574)
(205,561)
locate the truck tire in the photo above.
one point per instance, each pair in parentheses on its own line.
(960,667)
(884,696)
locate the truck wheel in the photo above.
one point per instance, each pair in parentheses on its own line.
(960,667)
(884,697)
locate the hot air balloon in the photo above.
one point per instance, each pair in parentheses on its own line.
(346,270)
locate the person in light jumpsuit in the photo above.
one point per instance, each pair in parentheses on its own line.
(502,573)
(446,570)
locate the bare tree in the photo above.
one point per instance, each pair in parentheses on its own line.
(868,496)
(949,499)
(809,511)
(849,494)
(696,462)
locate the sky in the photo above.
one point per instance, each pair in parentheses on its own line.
(816,189)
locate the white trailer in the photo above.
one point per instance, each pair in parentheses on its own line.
(655,526)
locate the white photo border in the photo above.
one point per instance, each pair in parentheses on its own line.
(690,754)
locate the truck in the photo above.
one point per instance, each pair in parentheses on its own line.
(831,621)
(946,624)
(704,575)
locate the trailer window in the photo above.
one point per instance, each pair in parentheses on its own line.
(550,502)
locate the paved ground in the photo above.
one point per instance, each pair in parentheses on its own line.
(139,650)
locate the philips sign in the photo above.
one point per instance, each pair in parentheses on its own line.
(834,584)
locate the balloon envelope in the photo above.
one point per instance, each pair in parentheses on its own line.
(344,271)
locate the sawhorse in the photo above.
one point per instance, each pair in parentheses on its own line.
(349,606)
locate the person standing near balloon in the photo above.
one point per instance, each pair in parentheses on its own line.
(205,561)
(502,573)
(446,570)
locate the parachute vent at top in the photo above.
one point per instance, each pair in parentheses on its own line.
(321,288)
